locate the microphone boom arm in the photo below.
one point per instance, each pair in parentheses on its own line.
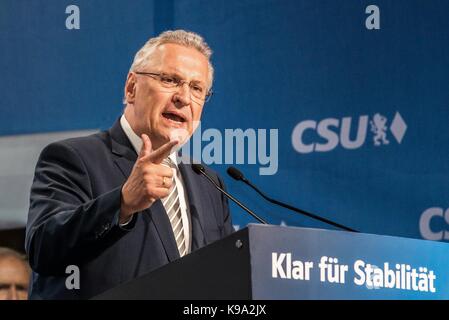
(233,199)
(287,206)
(237,175)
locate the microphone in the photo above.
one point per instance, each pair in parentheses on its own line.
(238,175)
(199,169)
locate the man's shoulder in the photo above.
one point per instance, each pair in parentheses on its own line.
(90,144)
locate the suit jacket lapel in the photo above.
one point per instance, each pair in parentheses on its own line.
(127,156)
(121,146)
(195,205)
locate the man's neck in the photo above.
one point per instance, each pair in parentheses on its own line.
(135,140)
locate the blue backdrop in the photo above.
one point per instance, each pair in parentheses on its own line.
(332,77)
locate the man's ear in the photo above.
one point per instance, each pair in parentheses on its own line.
(130,88)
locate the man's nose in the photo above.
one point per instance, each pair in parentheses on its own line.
(12,293)
(182,95)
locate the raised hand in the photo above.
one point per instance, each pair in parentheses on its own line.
(149,179)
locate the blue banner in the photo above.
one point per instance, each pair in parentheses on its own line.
(342,106)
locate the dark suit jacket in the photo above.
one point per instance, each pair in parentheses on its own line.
(74,211)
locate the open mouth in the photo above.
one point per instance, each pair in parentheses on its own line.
(174,117)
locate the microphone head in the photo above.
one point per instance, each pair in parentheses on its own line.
(235,173)
(198,168)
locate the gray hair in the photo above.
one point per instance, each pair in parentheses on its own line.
(181,37)
(7,252)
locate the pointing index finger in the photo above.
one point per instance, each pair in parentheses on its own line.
(162,152)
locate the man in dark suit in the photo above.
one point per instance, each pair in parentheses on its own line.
(118,204)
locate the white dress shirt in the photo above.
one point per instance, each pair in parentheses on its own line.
(137,143)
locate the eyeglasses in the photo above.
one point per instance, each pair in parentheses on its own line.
(197,90)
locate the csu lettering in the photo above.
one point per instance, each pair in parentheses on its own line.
(327,131)
(430,220)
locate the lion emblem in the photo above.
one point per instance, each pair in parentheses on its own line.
(379,128)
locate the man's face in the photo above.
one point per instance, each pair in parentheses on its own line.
(160,112)
(14,279)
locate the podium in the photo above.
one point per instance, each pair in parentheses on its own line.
(275,262)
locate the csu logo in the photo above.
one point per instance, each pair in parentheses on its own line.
(325,135)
